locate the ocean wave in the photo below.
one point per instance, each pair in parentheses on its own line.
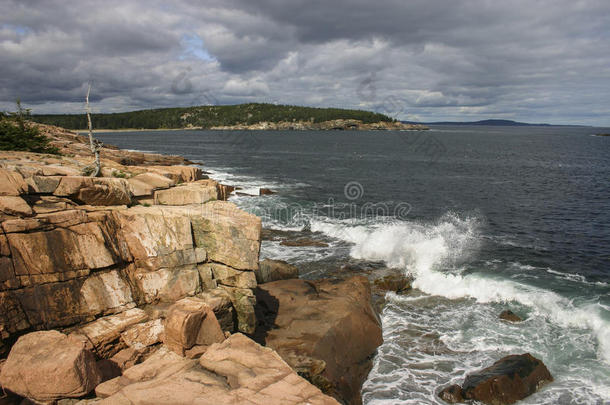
(433,253)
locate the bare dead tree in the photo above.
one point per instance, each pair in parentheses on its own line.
(94,144)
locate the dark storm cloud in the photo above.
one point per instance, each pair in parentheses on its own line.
(459,60)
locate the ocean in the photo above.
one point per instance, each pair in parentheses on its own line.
(483,218)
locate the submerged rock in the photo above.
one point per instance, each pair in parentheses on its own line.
(510,316)
(46,366)
(507,381)
(325,329)
(265,191)
(304,242)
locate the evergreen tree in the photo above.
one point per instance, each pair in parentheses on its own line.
(16,133)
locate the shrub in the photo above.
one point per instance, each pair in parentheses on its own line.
(16,133)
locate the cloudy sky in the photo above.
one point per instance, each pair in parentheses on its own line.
(424,60)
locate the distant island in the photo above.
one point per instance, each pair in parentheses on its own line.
(253,116)
(492,122)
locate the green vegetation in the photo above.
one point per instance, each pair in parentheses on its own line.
(208,116)
(17,134)
(120,174)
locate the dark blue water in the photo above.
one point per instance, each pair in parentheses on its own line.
(484,218)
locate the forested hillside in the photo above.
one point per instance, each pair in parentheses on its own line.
(208,116)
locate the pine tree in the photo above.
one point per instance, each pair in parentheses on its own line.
(17,133)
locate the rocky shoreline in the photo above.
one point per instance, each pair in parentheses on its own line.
(332,125)
(145,286)
(141,286)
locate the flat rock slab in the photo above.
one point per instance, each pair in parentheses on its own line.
(237,371)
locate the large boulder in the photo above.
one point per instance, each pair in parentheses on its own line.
(507,381)
(274,270)
(46,366)
(191,322)
(326,330)
(236,371)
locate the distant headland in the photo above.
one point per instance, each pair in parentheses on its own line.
(253,116)
(494,122)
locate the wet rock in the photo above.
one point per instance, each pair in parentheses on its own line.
(507,381)
(265,191)
(304,242)
(397,283)
(451,394)
(273,270)
(46,366)
(325,329)
(510,316)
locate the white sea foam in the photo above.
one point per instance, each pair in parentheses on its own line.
(432,254)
